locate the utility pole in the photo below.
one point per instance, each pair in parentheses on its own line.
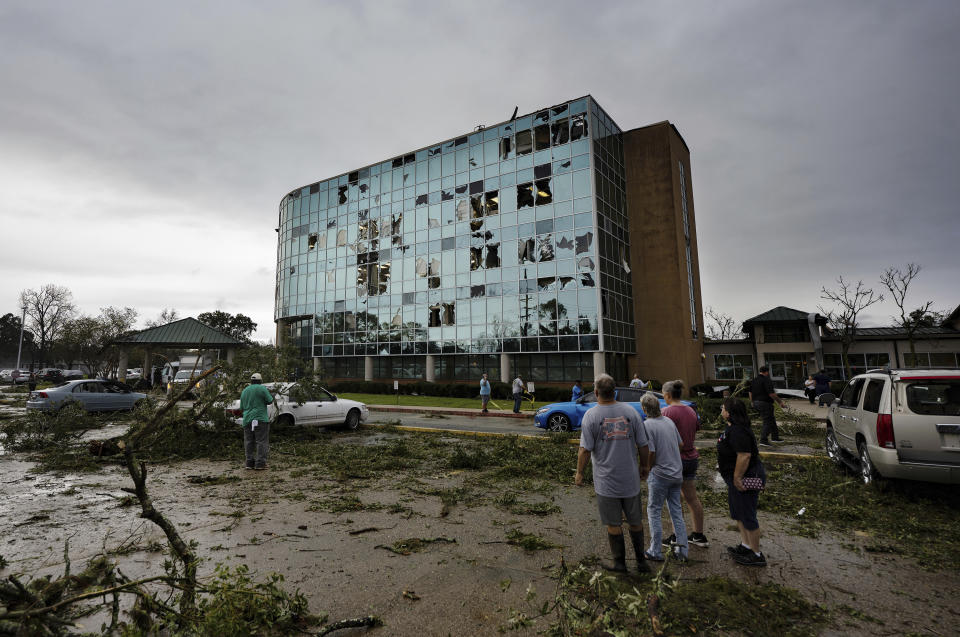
(20,346)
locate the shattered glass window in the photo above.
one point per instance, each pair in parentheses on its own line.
(541,137)
(492,202)
(545,247)
(525,195)
(476,255)
(493,255)
(544,195)
(578,127)
(584,242)
(561,131)
(506,148)
(463,210)
(476,206)
(524,142)
(526,251)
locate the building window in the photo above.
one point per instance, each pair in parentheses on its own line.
(733,366)
(786,334)
(686,235)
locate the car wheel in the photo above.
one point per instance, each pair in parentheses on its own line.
(833,447)
(868,474)
(286,420)
(558,422)
(353,420)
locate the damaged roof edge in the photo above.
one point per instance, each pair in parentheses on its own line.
(443,141)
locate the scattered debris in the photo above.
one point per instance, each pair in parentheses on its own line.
(411,595)
(414,544)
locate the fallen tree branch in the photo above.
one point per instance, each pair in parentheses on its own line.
(33,612)
(370,621)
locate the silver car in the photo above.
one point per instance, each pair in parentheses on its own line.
(92,395)
(898,424)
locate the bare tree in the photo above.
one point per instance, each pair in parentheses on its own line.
(721,326)
(898,282)
(166,316)
(48,310)
(843,320)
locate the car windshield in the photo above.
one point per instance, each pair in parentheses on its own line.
(184,375)
(589,398)
(934,397)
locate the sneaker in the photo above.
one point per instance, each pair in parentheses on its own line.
(653,558)
(750,559)
(699,539)
(779,440)
(739,549)
(670,540)
(764,443)
(249,467)
(260,468)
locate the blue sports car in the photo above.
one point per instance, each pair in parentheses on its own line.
(567,416)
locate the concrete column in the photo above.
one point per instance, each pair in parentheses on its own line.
(368,368)
(316,365)
(505,368)
(122,366)
(147,364)
(599,365)
(431,370)
(230,354)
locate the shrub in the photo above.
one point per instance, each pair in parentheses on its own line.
(701,388)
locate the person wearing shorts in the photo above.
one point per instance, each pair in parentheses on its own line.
(613,439)
(687,422)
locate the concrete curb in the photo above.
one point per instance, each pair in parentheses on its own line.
(472,413)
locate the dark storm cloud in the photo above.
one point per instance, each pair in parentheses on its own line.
(823,135)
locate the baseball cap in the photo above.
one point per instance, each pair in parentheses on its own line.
(256,376)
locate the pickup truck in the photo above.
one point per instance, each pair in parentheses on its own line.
(898,424)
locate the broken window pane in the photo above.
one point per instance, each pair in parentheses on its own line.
(476,291)
(341,237)
(524,142)
(544,195)
(541,171)
(564,246)
(584,242)
(566,282)
(545,247)
(578,127)
(422,200)
(541,137)
(585,264)
(449,314)
(476,206)
(433,282)
(342,194)
(525,252)
(492,202)
(561,131)
(546,284)
(476,258)
(434,267)
(421,267)
(493,256)
(586,280)
(446,195)
(524,195)
(312,241)
(506,148)
(433,319)
(463,210)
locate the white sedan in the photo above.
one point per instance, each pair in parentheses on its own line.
(324,409)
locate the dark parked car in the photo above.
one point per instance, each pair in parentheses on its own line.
(92,395)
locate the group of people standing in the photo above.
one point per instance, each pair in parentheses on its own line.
(625,449)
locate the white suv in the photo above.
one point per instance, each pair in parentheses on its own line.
(898,424)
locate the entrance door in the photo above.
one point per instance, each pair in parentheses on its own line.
(787,370)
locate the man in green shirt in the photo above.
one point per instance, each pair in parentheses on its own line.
(256,422)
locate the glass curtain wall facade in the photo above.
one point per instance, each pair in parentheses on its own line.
(510,239)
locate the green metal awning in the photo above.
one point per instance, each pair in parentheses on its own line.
(186,333)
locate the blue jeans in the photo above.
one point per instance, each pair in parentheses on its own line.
(658,492)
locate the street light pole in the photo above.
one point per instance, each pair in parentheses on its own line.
(20,346)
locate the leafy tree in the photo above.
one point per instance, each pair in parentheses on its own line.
(10,337)
(236,325)
(48,310)
(929,318)
(89,339)
(166,316)
(843,320)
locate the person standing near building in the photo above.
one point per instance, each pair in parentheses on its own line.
(737,456)
(636,383)
(823,383)
(256,422)
(763,395)
(664,481)
(612,437)
(577,392)
(809,388)
(484,392)
(687,423)
(517,393)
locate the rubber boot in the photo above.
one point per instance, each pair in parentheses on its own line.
(636,537)
(619,550)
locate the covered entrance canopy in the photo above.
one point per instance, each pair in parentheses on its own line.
(188,333)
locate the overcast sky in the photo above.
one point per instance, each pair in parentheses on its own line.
(144,148)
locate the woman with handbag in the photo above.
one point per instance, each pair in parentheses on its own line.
(740,467)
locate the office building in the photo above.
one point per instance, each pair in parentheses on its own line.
(553,245)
